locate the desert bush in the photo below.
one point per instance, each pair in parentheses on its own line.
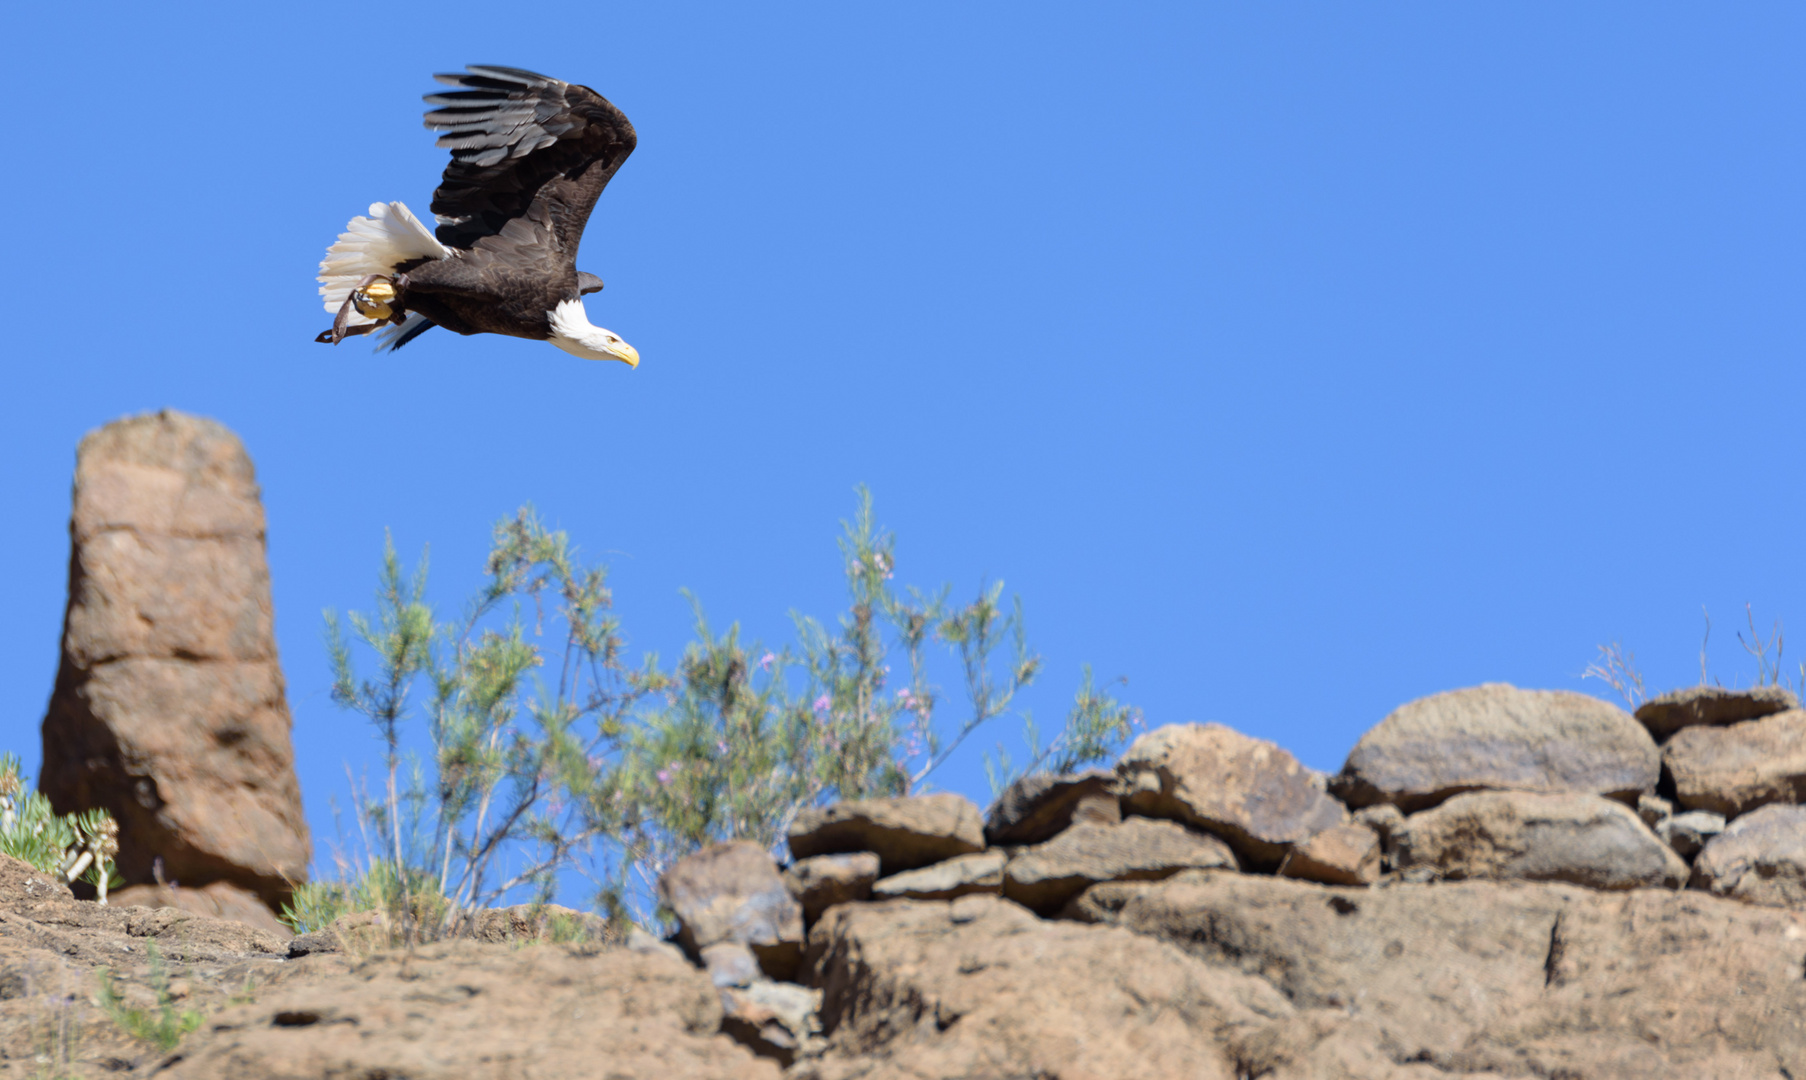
(550,753)
(163,1026)
(74,847)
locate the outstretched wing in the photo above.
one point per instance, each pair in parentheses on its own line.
(526,149)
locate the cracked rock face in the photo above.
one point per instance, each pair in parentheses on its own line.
(1582,839)
(1733,769)
(1491,978)
(1760,858)
(169,709)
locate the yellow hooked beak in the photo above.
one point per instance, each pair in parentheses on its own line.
(625,353)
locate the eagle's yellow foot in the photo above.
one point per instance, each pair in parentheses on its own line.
(374,299)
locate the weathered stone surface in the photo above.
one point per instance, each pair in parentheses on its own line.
(465,1011)
(981,872)
(730,963)
(981,988)
(904,832)
(1689,832)
(1654,809)
(1247,791)
(219,900)
(169,709)
(1038,807)
(1711,705)
(1346,854)
(820,882)
(1043,878)
(1497,736)
(1583,839)
(777,1020)
(733,892)
(1731,770)
(1489,978)
(1759,859)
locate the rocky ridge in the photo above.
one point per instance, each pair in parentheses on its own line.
(1209,908)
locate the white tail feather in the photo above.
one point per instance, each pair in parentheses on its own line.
(391,235)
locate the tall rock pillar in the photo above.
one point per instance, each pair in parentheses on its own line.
(169,708)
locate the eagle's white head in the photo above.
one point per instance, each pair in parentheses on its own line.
(573,332)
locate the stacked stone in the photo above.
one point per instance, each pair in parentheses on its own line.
(1735,763)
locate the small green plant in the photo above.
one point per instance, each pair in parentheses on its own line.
(74,847)
(165,1025)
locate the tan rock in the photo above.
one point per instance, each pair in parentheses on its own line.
(905,832)
(465,1011)
(777,1020)
(733,892)
(1346,854)
(820,882)
(1583,839)
(1733,769)
(1759,859)
(981,872)
(1247,791)
(219,900)
(1040,806)
(981,988)
(1499,737)
(169,709)
(1491,978)
(1711,705)
(1043,878)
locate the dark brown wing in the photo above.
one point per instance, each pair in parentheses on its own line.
(523,146)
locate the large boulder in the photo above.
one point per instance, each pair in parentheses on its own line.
(169,708)
(733,893)
(1712,705)
(1760,858)
(1492,979)
(904,832)
(1497,736)
(1043,878)
(1246,790)
(1040,806)
(1732,770)
(981,988)
(1583,839)
(465,1011)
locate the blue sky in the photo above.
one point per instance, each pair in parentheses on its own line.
(1291,361)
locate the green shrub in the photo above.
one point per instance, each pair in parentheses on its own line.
(550,753)
(163,1026)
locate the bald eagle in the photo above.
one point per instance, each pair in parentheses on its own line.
(530,156)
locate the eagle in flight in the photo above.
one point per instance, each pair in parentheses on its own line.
(530,156)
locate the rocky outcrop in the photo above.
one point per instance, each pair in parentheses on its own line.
(169,708)
(1584,839)
(1490,979)
(981,988)
(1043,878)
(1711,705)
(1760,858)
(733,893)
(1733,769)
(1248,791)
(479,1012)
(904,833)
(1499,737)
(1689,832)
(1040,806)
